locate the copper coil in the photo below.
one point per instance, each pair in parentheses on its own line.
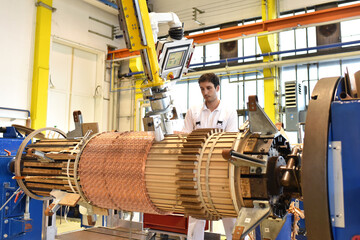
(112,171)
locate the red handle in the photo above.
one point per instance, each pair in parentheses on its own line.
(8,152)
(17,196)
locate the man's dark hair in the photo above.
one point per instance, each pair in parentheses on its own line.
(210,77)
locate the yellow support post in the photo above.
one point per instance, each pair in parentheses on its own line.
(39,94)
(268,43)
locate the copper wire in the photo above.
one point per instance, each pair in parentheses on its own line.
(112,171)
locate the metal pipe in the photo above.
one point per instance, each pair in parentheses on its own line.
(117,101)
(132,73)
(111,4)
(234,156)
(111,69)
(27,207)
(285,180)
(16,109)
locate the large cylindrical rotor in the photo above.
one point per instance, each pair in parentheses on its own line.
(184,173)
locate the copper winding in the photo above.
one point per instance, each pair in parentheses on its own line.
(112,171)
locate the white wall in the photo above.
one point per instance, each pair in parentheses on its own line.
(71,22)
(70,25)
(17,21)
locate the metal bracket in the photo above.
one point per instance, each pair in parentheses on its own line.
(106,24)
(39,155)
(37,4)
(259,121)
(78,121)
(195,16)
(153,123)
(270,228)
(54,206)
(338,217)
(249,218)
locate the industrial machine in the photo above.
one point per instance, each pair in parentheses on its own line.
(20,216)
(251,175)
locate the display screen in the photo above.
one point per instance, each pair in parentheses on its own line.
(174,59)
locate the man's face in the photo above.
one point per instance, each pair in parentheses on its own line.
(209,91)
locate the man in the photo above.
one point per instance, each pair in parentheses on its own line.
(210,114)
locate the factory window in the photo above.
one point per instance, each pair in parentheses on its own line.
(350,31)
(329,69)
(313,72)
(351,65)
(180,95)
(195,96)
(198,54)
(240,50)
(249,46)
(308,74)
(228,90)
(243,85)
(212,51)
(257,48)
(240,87)
(311,38)
(287,42)
(301,38)
(207,53)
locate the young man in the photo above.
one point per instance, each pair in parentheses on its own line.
(212,113)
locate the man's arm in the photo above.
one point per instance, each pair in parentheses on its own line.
(232,125)
(188,122)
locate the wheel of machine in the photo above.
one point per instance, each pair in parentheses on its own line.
(314,163)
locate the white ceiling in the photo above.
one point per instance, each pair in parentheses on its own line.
(220,11)
(215,11)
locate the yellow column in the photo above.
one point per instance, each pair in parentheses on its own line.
(39,94)
(268,43)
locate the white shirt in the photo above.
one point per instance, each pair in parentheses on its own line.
(200,116)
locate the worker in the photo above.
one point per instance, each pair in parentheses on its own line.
(212,113)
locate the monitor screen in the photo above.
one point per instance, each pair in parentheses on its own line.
(174,59)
